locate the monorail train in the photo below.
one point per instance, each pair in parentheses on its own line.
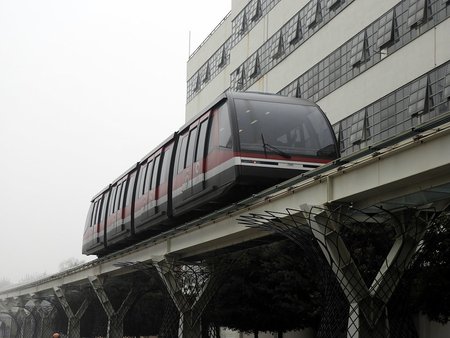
(241,144)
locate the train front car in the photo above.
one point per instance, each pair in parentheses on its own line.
(244,143)
(278,138)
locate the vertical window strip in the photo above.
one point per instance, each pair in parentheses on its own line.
(359,126)
(255,67)
(386,31)
(418,97)
(417,12)
(295,31)
(298,90)
(359,52)
(222,57)
(244,25)
(240,74)
(447,84)
(256,12)
(197,82)
(313,14)
(278,47)
(207,74)
(338,131)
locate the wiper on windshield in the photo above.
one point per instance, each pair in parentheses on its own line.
(273,148)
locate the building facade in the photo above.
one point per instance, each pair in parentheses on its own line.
(377,68)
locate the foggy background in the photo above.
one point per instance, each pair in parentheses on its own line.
(87,88)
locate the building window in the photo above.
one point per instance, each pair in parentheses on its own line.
(295,31)
(207,74)
(333,4)
(255,67)
(240,74)
(338,132)
(256,11)
(222,58)
(298,90)
(418,97)
(418,12)
(387,32)
(360,49)
(197,83)
(358,131)
(447,84)
(313,14)
(244,24)
(278,47)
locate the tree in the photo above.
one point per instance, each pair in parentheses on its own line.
(272,288)
(70,263)
(429,275)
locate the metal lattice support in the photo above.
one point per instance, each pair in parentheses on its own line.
(189,287)
(74,319)
(367,296)
(48,313)
(115,318)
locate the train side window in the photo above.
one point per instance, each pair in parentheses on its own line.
(118,195)
(220,134)
(191,147)
(89,217)
(155,173)
(94,217)
(201,141)
(182,153)
(141,179)
(122,195)
(166,163)
(148,176)
(104,208)
(112,200)
(100,209)
(130,185)
(224,127)
(214,133)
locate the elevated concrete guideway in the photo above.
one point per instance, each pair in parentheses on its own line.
(415,171)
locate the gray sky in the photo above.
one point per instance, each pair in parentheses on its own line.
(87,87)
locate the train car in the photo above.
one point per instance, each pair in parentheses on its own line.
(242,143)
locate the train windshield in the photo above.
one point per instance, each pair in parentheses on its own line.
(284,129)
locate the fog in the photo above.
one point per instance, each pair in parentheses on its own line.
(86,89)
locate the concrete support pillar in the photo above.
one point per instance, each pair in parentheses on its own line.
(189,299)
(368,314)
(74,319)
(115,318)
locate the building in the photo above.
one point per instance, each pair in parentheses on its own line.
(376,68)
